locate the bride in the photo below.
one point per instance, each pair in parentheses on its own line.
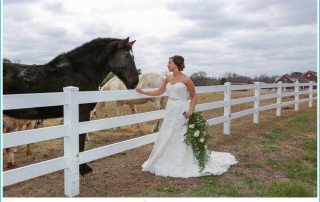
(171,156)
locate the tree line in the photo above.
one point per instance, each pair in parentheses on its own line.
(202,79)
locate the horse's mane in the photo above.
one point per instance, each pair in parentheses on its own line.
(93,44)
(88,47)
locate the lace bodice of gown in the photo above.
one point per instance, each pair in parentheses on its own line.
(177,91)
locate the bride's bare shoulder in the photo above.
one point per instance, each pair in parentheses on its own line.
(187,78)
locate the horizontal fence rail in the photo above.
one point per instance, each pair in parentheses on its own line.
(116,148)
(36,135)
(34,170)
(33,100)
(89,126)
(71,98)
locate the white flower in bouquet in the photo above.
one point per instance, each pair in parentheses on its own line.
(197,133)
(197,137)
(191,126)
(205,146)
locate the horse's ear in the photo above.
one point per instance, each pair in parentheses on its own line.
(126,41)
(123,43)
(132,42)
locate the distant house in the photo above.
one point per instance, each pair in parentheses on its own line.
(311,76)
(285,79)
(296,76)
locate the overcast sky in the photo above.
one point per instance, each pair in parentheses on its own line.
(248,37)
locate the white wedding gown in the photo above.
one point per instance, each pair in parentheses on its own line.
(171,156)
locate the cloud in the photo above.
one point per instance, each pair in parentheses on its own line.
(247,37)
(54,7)
(19,2)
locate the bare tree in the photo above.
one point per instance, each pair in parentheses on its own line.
(235,78)
(17,60)
(201,79)
(6,60)
(265,78)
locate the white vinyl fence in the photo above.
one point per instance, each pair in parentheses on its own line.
(70,98)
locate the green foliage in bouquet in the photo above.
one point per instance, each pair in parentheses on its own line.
(197,136)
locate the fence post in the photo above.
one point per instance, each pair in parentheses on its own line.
(296,96)
(279,99)
(256,103)
(71,142)
(227,109)
(310,93)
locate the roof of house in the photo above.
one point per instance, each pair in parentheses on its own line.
(285,75)
(296,76)
(315,73)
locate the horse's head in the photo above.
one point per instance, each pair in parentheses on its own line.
(122,64)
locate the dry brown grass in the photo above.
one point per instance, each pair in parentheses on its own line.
(121,175)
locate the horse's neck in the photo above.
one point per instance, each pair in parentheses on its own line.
(97,72)
(82,61)
(103,76)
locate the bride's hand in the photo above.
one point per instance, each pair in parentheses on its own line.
(139,90)
(187,114)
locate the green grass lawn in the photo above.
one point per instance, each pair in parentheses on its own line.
(298,170)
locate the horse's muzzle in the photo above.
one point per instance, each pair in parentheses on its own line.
(133,84)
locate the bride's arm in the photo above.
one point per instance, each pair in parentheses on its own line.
(193,97)
(157,92)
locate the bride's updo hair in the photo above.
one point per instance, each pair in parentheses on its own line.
(179,61)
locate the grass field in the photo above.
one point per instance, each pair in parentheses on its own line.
(277,158)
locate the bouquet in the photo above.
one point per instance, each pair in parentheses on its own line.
(197,136)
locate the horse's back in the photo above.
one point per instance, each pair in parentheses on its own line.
(114,84)
(146,80)
(150,80)
(25,79)
(9,73)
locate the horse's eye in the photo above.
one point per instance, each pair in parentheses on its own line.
(128,55)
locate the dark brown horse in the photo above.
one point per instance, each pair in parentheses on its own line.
(84,67)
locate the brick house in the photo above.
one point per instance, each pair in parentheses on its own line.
(301,78)
(285,79)
(311,76)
